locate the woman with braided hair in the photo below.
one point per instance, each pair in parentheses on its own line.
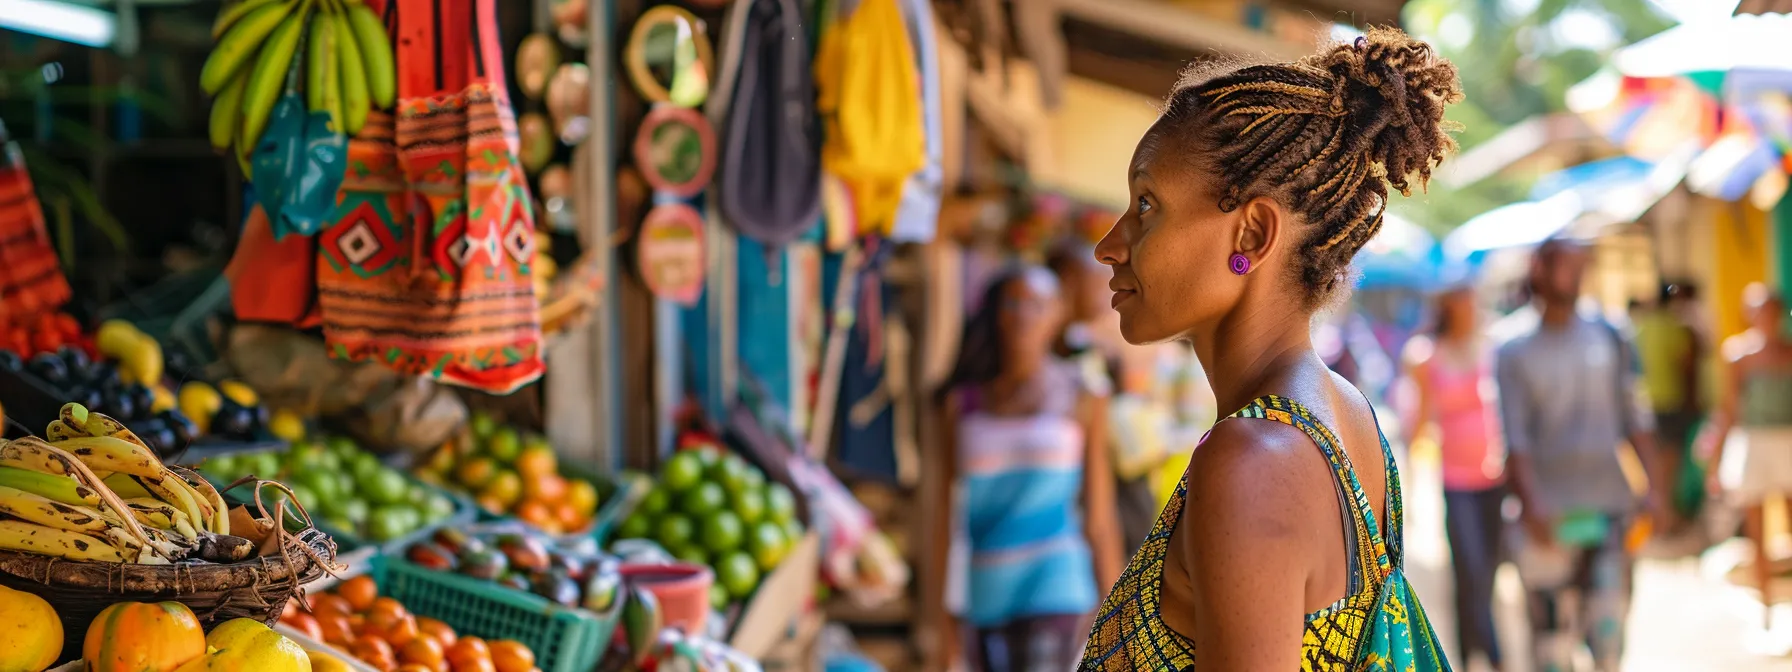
(1251,194)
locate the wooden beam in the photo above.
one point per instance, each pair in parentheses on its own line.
(1177,26)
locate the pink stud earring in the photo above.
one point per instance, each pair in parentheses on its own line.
(1240,264)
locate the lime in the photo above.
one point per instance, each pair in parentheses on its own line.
(703,499)
(342,446)
(675,531)
(325,484)
(302,455)
(340,524)
(731,472)
(692,554)
(265,465)
(353,510)
(437,509)
(738,574)
(780,505)
(636,526)
(793,530)
(722,531)
(364,465)
(483,425)
(385,487)
(224,467)
(718,596)
(755,478)
(391,522)
(749,504)
(683,472)
(504,445)
(706,453)
(768,545)
(656,501)
(305,496)
(345,484)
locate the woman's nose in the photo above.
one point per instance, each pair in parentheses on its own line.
(1112,250)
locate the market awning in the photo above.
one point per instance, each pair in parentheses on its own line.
(1741,42)
(1590,196)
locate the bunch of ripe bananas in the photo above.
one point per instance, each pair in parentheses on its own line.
(95,492)
(348,65)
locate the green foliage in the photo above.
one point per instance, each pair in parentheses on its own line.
(1513,66)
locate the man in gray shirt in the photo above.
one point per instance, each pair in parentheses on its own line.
(1569,399)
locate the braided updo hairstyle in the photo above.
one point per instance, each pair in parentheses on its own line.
(1324,136)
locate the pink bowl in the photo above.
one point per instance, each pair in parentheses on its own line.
(681,588)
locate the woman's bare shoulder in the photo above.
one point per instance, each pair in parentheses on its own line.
(1257,475)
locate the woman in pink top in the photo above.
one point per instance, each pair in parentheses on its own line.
(1451,373)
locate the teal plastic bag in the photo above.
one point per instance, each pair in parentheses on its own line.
(298,166)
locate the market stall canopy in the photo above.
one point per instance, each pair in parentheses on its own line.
(1587,197)
(1742,42)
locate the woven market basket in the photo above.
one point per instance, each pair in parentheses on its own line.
(256,588)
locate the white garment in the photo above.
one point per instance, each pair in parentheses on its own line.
(1757,463)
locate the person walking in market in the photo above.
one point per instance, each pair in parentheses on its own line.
(1451,371)
(1671,350)
(1749,438)
(1570,397)
(1032,490)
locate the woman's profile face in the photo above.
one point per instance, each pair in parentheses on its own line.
(1169,251)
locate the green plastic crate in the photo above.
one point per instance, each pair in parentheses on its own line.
(564,639)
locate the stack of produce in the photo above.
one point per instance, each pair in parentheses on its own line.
(570,572)
(48,333)
(382,633)
(348,66)
(166,637)
(345,488)
(511,472)
(53,501)
(714,509)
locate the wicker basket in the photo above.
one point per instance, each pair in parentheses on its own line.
(257,588)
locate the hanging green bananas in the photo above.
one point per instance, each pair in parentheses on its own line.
(376,53)
(240,43)
(268,78)
(231,14)
(356,98)
(321,70)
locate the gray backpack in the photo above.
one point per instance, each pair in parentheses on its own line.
(770,187)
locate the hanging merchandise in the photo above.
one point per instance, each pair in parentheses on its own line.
(428,269)
(536,58)
(668,57)
(570,19)
(31,281)
(865,74)
(675,151)
(297,168)
(272,280)
(569,102)
(669,253)
(918,215)
(536,141)
(770,189)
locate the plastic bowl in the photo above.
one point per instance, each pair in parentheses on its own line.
(681,588)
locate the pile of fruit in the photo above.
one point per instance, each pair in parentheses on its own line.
(712,508)
(382,633)
(572,572)
(348,65)
(55,503)
(139,637)
(343,487)
(148,409)
(510,472)
(230,410)
(49,332)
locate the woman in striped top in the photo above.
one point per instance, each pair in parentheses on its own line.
(1035,495)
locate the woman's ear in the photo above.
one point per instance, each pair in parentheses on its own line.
(1259,228)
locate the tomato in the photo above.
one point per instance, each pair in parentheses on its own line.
(359,591)
(468,652)
(439,630)
(374,651)
(424,651)
(46,341)
(70,328)
(511,656)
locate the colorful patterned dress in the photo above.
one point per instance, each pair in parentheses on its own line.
(1378,626)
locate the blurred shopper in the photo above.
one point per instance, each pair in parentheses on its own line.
(1452,374)
(1670,350)
(1569,398)
(1750,435)
(1035,493)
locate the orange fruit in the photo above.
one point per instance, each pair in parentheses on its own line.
(546,488)
(304,623)
(535,513)
(328,603)
(582,495)
(359,592)
(383,615)
(374,651)
(467,651)
(537,461)
(493,506)
(413,667)
(402,632)
(511,656)
(335,629)
(291,607)
(437,629)
(569,516)
(425,651)
(504,488)
(477,665)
